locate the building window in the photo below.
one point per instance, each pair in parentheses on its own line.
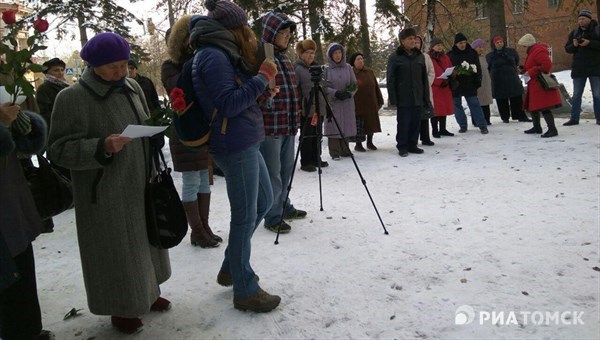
(519,6)
(553,3)
(481,11)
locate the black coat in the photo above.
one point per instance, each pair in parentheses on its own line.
(586,60)
(149,92)
(502,65)
(407,79)
(45,96)
(468,84)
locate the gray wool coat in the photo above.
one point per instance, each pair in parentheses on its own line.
(338,76)
(121,270)
(484,92)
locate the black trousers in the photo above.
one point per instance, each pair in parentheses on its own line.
(20,315)
(424,131)
(309,148)
(510,107)
(408,125)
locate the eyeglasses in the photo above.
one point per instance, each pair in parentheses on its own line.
(285,34)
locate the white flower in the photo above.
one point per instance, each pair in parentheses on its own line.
(474,67)
(465,65)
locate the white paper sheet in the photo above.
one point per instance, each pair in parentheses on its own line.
(446,73)
(526,77)
(135,131)
(6,98)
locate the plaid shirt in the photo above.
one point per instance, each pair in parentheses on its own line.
(281,114)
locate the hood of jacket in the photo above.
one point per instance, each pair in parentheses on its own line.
(402,51)
(103,89)
(177,44)
(273,22)
(207,32)
(330,60)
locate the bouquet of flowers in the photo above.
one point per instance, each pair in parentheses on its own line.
(351,87)
(163,116)
(465,69)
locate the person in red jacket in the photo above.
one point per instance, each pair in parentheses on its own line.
(442,93)
(537,99)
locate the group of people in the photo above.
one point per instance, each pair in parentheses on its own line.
(252,142)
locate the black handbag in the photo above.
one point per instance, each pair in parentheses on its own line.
(51,190)
(165,215)
(548,81)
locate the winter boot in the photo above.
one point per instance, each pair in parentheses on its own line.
(549,118)
(358,147)
(443,131)
(204,208)
(435,132)
(260,302)
(199,236)
(537,127)
(370,144)
(126,325)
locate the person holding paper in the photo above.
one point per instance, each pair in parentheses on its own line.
(121,270)
(442,93)
(281,117)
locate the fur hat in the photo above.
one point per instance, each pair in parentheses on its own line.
(305,45)
(407,32)
(353,57)
(496,39)
(53,62)
(105,48)
(226,12)
(460,37)
(435,41)
(585,13)
(527,40)
(478,43)
(177,42)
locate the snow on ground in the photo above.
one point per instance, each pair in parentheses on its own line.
(502,223)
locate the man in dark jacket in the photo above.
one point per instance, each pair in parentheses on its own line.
(55,82)
(468,83)
(407,83)
(584,44)
(146,84)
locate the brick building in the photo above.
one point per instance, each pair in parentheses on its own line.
(550,21)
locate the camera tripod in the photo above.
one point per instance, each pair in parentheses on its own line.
(316,73)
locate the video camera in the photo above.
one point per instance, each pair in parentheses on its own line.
(316,72)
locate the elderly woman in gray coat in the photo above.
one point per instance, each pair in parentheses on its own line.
(121,270)
(341,86)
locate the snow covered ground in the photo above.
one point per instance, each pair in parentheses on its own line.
(504,226)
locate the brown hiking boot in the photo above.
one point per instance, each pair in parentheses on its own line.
(261,302)
(224,279)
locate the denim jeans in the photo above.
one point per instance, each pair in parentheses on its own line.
(250,197)
(278,153)
(578,87)
(474,107)
(194,183)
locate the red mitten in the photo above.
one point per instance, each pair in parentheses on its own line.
(268,69)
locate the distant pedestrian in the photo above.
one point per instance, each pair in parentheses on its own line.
(584,44)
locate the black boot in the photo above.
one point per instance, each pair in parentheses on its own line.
(370,144)
(435,132)
(443,131)
(537,127)
(549,118)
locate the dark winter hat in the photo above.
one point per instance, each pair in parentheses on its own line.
(105,48)
(353,57)
(585,13)
(132,62)
(226,12)
(53,62)
(478,43)
(460,37)
(305,45)
(435,41)
(407,32)
(335,48)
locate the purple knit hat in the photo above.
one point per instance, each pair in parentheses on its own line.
(226,12)
(478,43)
(105,48)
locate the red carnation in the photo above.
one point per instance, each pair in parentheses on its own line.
(40,25)
(178,104)
(9,17)
(176,93)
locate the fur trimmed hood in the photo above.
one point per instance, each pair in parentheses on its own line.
(176,44)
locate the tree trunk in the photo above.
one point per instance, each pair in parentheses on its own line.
(171,14)
(430,24)
(497,19)
(316,10)
(82,32)
(364,32)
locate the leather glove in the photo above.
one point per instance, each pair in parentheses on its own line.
(444,83)
(340,95)
(348,95)
(268,69)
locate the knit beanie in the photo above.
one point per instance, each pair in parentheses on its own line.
(527,40)
(353,57)
(305,45)
(105,48)
(226,12)
(133,63)
(435,41)
(407,32)
(496,39)
(478,43)
(460,37)
(585,13)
